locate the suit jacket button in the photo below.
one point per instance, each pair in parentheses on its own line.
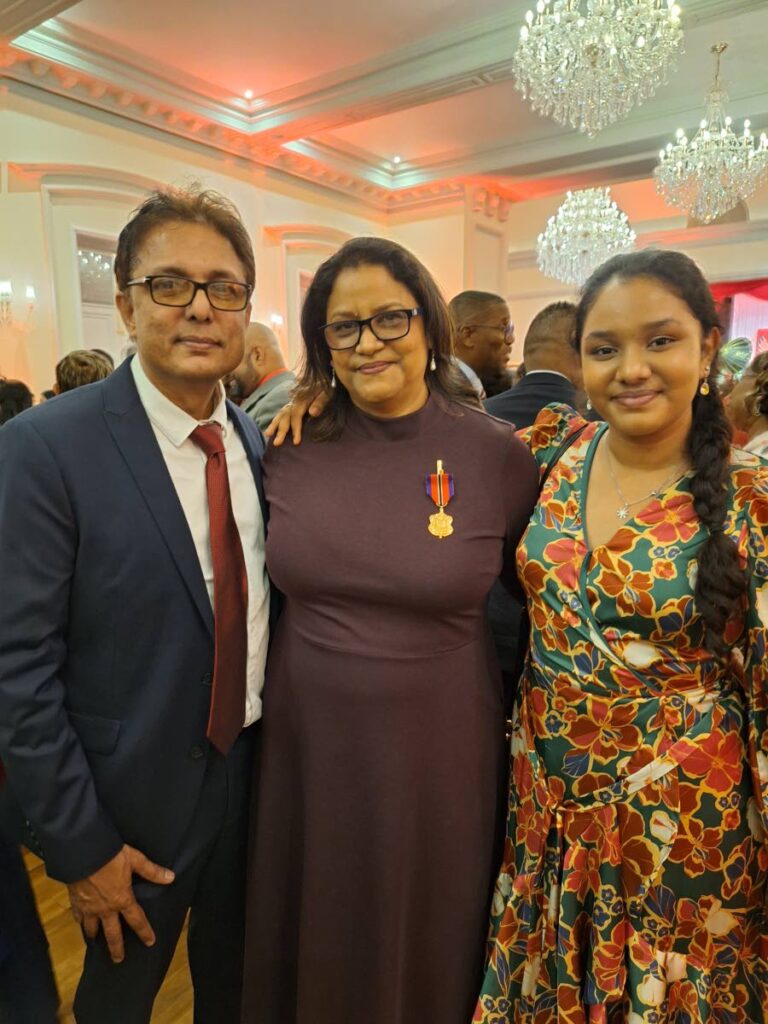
(196,752)
(207,679)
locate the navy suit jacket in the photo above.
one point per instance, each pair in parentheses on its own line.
(106,631)
(523,403)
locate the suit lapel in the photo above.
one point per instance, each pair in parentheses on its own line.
(254,449)
(132,432)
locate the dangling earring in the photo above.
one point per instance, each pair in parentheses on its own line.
(333,378)
(704,387)
(432,363)
(589,405)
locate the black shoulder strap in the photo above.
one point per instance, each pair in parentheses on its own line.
(563,447)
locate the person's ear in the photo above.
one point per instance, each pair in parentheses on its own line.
(256,357)
(709,349)
(125,308)
(464,334)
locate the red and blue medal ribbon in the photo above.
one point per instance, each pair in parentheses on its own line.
(440,487)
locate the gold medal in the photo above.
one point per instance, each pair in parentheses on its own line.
(440,524)
(440,489)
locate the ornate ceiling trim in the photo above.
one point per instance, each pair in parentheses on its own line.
(17,16)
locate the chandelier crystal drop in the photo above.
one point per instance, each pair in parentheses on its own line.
(588,69)
(715,170)
(587,230)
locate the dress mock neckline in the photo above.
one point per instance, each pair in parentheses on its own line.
(396,428)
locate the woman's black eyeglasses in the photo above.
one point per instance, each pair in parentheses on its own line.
(391,325)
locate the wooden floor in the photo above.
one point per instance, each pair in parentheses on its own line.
(174,1002)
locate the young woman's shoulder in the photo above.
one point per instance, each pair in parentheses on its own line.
(553,425)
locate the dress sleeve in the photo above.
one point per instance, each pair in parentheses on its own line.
(550,428)
(521,489)
(755,664)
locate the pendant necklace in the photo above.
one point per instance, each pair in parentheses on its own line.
(622,512)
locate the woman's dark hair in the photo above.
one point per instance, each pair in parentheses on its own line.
(720,581)
(447,380)
(757,403)
(15,397)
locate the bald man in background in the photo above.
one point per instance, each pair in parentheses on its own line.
(261,383)
(552,368)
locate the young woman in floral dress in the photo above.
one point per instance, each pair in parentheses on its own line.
(633,889)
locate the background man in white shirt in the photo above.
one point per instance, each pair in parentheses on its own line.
(131,663)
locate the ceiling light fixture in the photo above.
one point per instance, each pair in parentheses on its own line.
(587,230)
(715,170)
(248,94)
(396,160)
(589,70)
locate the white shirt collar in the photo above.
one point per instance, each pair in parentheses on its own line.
(176,424)
(530,373)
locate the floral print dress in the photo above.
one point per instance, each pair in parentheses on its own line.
(633,889)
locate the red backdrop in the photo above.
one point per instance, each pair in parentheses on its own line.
(723,289)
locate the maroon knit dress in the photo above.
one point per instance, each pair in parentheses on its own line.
(380,790)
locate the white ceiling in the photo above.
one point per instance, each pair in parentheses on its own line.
(341,87)
(234,45)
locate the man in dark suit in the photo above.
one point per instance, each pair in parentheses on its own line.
(551,374)
(134,622)
(552,371)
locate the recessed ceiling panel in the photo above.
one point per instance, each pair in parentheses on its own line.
(268,46)
(489,117)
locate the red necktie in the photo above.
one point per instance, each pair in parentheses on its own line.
(230,596)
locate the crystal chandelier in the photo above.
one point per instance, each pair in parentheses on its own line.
(708,175)
(586,230)
(588,70)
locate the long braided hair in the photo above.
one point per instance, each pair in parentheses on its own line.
(720,580)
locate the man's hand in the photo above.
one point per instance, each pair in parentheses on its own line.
(107,895)
(290,417)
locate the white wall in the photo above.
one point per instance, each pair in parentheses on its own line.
(63,173)
(436,237)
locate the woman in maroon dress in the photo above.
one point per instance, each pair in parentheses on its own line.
(383,761)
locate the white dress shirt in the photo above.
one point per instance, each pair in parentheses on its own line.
(186,465)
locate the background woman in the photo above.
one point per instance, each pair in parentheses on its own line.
(634,884)
(383,756)
(15,397)
(748,405)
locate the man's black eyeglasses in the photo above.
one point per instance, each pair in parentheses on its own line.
(391,325)
(169,290)
(506,329)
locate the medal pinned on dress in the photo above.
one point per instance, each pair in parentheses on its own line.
(440,489)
